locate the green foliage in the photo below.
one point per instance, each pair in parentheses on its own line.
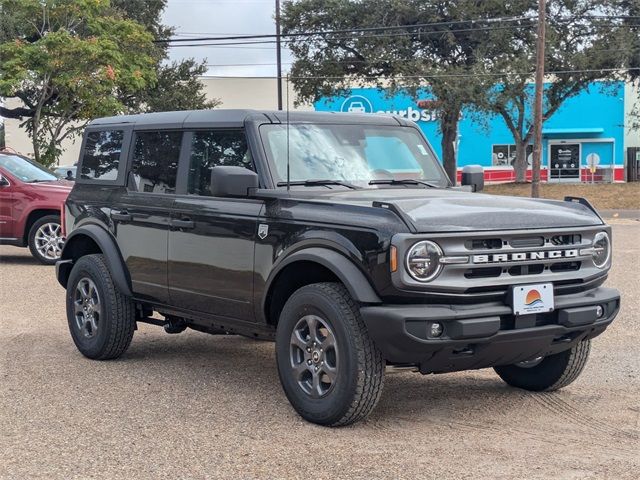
(177,86)
(448,57)
(68,62)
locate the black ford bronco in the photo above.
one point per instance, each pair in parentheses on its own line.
(338,236)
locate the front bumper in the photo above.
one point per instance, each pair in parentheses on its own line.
(488,334)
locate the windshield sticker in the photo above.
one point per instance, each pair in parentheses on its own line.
(423,150)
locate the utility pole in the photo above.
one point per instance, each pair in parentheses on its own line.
(278,55)
(537,106)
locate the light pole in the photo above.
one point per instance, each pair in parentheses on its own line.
(278,55)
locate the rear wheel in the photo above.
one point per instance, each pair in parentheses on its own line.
(330,369)
(549,373)
(45,239)
(101,318)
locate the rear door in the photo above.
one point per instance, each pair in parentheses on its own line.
(142,213)
(211,239)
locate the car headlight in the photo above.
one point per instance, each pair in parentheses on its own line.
(423,261)
(601,249)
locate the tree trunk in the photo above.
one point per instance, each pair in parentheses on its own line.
(35,133)
(449,127)
(520,162)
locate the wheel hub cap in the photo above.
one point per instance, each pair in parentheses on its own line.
(314,356)
(49,241)
(87,307)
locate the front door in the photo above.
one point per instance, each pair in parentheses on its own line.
(211,239)
(564,162)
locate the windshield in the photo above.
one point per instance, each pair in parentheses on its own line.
(25,170)
(356,154)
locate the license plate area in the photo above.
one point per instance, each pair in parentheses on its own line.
(535,298)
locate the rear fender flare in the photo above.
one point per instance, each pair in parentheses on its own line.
(110,250)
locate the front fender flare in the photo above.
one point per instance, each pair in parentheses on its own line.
(110,250)
(347,272)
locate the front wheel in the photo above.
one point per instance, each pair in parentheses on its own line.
(45,239)
(330,369)
(549,373)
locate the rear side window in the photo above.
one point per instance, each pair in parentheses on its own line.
(215,148)
(101,156)
(155,161)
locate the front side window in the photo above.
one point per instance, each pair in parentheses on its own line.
(357,154)
(26,170)
(210,149)
(155,161)
(101,155)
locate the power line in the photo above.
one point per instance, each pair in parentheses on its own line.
(394,27)
(350,30)
(439,75)
(357,37)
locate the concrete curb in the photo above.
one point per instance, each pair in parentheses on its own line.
(628,214)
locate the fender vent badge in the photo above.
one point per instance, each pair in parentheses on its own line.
(263,231)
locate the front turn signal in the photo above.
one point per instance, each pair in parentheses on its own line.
(393,258)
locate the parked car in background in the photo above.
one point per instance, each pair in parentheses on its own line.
(30,201)
(67,172)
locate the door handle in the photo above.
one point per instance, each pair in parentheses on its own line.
(122,216)
(184,223)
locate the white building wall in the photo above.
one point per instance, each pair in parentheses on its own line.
(631,105)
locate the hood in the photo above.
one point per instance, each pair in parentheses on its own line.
(61,187)
(447,210)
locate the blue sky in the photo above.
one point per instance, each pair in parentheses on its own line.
(197,18)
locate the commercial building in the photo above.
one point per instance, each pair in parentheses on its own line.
(594,127)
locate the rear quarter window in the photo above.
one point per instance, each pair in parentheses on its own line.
(101,155)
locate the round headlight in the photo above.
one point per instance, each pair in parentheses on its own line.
(423,261)
(601,249)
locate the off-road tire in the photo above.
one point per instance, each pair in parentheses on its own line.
(116,322)
(31,238)
(552,373)
(360,367)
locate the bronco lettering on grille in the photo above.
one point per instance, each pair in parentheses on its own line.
(525,256)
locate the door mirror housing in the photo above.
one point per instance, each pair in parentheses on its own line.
(473,176)
(233,182)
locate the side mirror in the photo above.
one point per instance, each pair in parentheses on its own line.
(473,176)
(3,181)
(232,181)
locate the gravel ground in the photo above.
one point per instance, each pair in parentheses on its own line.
(200,406)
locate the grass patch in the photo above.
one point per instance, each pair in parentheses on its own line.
(606,196)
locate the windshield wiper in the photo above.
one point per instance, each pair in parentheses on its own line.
(38,180)
(316,183)
(405,181)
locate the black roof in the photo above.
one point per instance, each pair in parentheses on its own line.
(236,118)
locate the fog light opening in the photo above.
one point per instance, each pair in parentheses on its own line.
(599,311)
(436,329)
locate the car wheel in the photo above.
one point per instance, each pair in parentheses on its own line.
(45,239)
(101,318)
(330,369)
(549,373)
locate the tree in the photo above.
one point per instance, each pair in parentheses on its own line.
(177,86)
(69,61)
(449,56)
(580,49)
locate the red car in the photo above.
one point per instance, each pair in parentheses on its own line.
(31,199)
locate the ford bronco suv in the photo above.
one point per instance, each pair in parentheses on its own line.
(338,236)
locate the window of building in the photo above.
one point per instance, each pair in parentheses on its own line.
(101,156)
(155,161)
(215,148)
(504,155)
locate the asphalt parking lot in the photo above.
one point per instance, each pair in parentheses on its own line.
(200,406)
